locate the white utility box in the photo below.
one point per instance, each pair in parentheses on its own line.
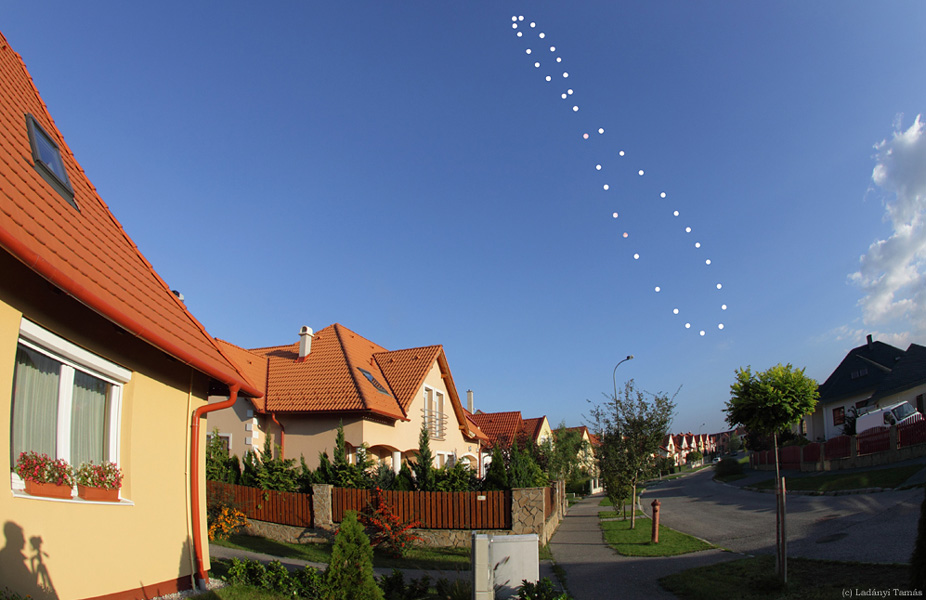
(502,562)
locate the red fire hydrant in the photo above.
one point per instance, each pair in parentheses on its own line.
(655,506)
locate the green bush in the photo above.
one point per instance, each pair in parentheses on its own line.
(728,466)
(395,588)
(542,590)
(458,589)
(306,583)
(350,570)
(578,486)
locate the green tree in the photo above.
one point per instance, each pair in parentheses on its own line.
(424,466)
(276,473)
(523,471)
(497,476)
(219,465)
(768,402)
(350,571)
(560,456)
(631,430)
(736,443)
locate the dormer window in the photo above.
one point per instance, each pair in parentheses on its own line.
(47,159)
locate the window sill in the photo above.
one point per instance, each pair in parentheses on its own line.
(72,500)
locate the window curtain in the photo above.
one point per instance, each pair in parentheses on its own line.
(88,419)
(35,403)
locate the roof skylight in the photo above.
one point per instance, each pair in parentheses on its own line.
(379,387)
(48,162)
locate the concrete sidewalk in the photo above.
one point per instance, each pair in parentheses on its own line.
(595,571)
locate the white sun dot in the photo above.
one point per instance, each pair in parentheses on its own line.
(621,153)
(533,24)
(600,130)
(606,187)
(558,59)
(697,244)
(723,307)
(675,213)
(597,167)
(564,96)
(549,78)
(662,195)
(552,48)
(636,257)
(702,333)
(640,172)
(719,325)
(514,18)
(719,286)
(521,18)
(528,50)
(514,25)
(565,74)
(687,325)
(575,109)
(519,34)
(688,230)
(674,311)
(542,35)
(626,235)
(614,215)
(658,289)
(569,91)
(584,136)
(707,262)
(536,65)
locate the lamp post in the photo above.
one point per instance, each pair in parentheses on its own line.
(614,374)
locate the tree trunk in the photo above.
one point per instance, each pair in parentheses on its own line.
(633,504)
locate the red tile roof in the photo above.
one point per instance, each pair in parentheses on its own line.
(85,252)
(533,427)
(331,378)
(500,427)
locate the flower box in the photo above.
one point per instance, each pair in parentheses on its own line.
(96,494)
(48,490)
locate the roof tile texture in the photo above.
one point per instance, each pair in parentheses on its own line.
(87,246)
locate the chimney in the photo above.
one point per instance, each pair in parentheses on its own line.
(469,400)
(869,341)
(305,341)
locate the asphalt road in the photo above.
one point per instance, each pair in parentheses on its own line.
(876,527)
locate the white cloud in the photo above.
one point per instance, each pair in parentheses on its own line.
(893,272)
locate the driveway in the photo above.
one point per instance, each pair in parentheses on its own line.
(876,527)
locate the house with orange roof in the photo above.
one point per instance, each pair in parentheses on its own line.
(538,430)
(336,376)
(668,450)
(100,362)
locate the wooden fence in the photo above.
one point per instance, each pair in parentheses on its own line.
(874,440)
(285,508)
(433,510)
(909,434)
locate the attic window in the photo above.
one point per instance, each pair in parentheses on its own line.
(47,159)
(379,387)
(860,373)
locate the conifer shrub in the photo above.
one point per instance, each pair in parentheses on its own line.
(350,570)
(497,476)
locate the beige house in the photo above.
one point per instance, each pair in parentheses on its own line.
(336,376)
(99,361)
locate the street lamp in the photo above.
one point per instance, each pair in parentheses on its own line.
(614,374)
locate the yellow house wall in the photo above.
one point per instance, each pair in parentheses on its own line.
(233,422)
(85,549)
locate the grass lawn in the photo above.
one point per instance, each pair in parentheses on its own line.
(755,579)
(880,478)
(443,559)
(638,541)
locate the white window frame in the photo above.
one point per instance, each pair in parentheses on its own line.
(434,412)
(74,358)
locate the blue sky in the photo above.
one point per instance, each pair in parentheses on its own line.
(404,169)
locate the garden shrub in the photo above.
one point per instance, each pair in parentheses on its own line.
(578,486)
(276,578)
(224,521)
(542,590)
(458,589)
(728,466)
(350,570)
(388,530)
(395,588)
